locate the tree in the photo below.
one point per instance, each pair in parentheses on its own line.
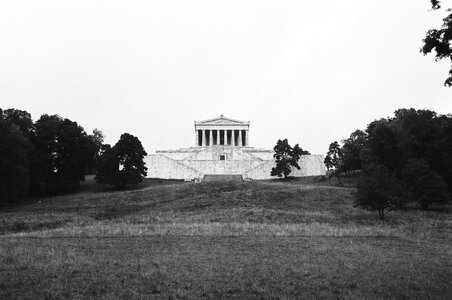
(414,146)
(423,185)
(442,154)
(333,160)
(108,166)
(352,151)
(348,157)
(412,134)
(378,189)
(440,40)
(15,149)
(382,144)
(417,133)
(96,142)
(20,118)
(123,163)
(286,158)
(63,150)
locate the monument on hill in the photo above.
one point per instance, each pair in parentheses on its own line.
(221,131)
(222,148)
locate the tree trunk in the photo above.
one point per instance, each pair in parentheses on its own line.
(339,179)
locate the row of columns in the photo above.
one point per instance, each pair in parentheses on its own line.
(203,140)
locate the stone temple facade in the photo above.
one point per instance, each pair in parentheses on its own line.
(222,147)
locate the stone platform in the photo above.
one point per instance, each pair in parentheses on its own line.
(251,163)
(221,177)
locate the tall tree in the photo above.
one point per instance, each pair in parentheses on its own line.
(423,185)
(333,160)
(414,146)
(96,142)
(443,156)
(286,158)
(440,40)
(352,150)
(382,144)
(20,118)
(333,156)
(378,189)
(62,151)
(348,157)
(122,164)
(15,149)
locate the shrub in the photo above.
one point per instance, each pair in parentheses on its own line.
(378,189)
(423,185)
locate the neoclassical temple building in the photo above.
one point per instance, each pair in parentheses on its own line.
(221,132)
(222,148)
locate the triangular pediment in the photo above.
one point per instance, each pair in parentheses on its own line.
(221,120)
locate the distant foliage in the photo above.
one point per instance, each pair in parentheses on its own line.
(15,150)
(353,151)
(346,158)
(423,185)
(413,146)
(43,158)
(378,189)
(63,149)
(413,134)
(123,164)
(20,118)
(286,158)
(97,142)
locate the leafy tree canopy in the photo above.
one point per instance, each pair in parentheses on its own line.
(333,157)
(348,157)
(47,157)
(412,148)
(63,149)
(423,185)
(20,118)
(15,149)
(440,40)
(123,163)
(378,189)
(286,158)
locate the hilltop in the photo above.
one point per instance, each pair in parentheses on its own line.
(285,239)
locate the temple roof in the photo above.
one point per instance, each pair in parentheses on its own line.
(222,120)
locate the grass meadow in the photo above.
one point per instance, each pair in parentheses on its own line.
(220,240)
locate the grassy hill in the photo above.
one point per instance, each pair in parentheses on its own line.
(266,239)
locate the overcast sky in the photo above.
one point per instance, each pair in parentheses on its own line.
(309,71)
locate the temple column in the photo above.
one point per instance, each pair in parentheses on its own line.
(225,137)
(240,138)
(233,137)
(217,142)
(210,137)
(247,140)
(203,134)
(196,138)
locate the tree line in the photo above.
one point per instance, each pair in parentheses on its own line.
(52,155)
(401,159)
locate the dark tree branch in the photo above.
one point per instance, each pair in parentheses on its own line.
(440,41)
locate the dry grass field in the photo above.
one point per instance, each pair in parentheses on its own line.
(174,240)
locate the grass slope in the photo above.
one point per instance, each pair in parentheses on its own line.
(268,239)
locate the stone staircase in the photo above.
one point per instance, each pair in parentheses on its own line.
(222,177)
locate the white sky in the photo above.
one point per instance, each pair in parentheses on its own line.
(309,71)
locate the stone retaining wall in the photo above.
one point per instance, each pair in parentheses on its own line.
(238,162)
